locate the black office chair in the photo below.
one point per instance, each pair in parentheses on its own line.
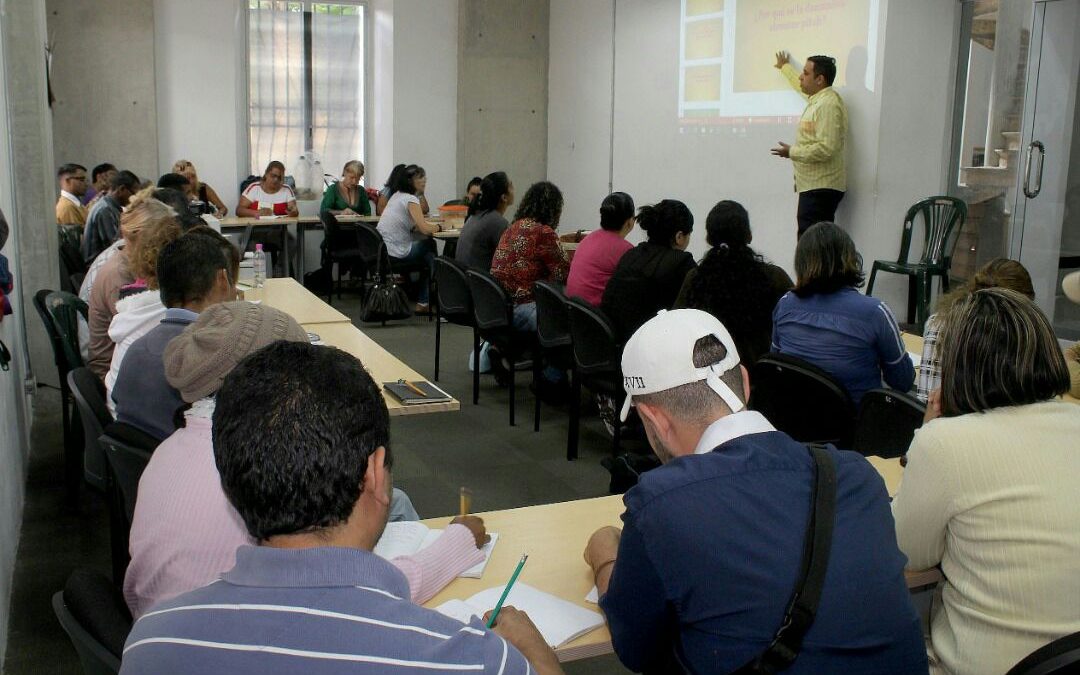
(802,400)
(92,612)
(453,302)
(89,395)
(127,459)
(1060,657)
(493,310)
(552,335)
(597,366)
(341,246)
(59,312)
(76,281)
(886,423)
(70,257)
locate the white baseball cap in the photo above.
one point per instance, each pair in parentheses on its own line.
(660,356)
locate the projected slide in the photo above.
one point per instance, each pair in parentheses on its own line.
(727,49)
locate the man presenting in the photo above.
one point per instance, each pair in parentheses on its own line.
(818,153)
(713,539)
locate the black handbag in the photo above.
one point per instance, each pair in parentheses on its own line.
(386,301)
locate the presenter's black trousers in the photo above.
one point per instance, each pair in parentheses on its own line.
(816,206)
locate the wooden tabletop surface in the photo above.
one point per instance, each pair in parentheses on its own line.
(288,295)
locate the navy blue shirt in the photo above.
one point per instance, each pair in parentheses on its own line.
(711,548)
(852,336)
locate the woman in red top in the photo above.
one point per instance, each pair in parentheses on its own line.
(598,253)
(529,251)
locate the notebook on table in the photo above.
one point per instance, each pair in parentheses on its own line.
(557,620)
(404,392)
(408,537)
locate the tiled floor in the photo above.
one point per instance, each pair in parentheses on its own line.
(434,455)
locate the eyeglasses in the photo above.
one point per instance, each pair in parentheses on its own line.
(275,176)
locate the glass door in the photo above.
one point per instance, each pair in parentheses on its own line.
(991,84)
(1046,223)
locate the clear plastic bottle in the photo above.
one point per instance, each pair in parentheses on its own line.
(259,263)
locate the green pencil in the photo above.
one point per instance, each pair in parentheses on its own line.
(506,591)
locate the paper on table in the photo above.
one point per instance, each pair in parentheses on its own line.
(408,537)
(916,359)
(557,620)
(593,596)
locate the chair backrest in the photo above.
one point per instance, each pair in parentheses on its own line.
(63,309)
(336,237)
(92,612)
(942,217)
(452,289)
(126,463)
(596,349)
(69,239)
(373,250)
(886,423)
(89,395)
(50,329)
(1060,657)
(492,307)
(802,400)
(76,281)
(552,316)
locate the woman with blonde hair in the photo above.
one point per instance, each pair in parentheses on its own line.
(201,194)
(989,491)
(999,272)
(347,196)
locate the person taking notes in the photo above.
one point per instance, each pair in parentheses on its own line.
(818,153)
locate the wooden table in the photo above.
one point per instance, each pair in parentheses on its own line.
(291,297)
(383,366)
(555,535)
(302,223)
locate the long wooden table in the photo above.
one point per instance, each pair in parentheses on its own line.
(302,223)
(288,295)
(383,366)
(554,536)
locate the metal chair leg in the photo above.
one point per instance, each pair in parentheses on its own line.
(476,367)
(513,393)
(438,338)
(536,392)
(575,416)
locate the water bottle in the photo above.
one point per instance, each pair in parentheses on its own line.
(259,263)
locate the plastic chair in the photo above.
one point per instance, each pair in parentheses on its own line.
(886,423)
(802,400)
(126,464)
(59,312)
(493,311)
(1060,657)
(943,218)
(453,302)
(552,335)
(597,366)
(71,260)
(89,395)
(340,245)
(92,612)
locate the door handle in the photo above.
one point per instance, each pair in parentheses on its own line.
(1028,191)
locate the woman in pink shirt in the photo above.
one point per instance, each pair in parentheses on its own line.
(597,255)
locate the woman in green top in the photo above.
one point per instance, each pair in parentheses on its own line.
(347,197)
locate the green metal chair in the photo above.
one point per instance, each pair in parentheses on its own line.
(71,260)
(62,310)
(943,218)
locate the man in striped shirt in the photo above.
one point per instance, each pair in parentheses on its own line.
(301,440)
(818,153)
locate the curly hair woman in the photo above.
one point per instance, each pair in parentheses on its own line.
(735,284)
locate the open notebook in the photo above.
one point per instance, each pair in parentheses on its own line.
(406,538)
(557,620)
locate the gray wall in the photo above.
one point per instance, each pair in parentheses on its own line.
(26,198)
(502,89)
(103,81)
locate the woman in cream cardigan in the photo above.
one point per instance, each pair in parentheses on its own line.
(989,492)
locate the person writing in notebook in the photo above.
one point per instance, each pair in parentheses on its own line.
(707,562)
(301,442)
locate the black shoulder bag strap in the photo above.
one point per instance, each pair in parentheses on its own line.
(802,608)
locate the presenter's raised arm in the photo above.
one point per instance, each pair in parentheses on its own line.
(782,59)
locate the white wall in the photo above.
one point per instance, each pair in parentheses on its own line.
(425,94)
(579,107)
(199,66)
(897,143)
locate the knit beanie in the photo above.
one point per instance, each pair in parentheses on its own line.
(197,360)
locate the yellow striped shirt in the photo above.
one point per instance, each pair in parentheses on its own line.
(818,153)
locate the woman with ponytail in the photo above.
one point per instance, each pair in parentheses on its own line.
(734,283)
(599,253)
(649,276)
(486,222)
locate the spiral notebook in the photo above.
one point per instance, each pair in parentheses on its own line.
(405,393)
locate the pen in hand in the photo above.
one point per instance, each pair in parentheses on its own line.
(506,591)
(464,501)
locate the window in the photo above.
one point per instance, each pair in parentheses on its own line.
(306,86)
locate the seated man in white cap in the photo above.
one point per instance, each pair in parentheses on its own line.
(716,540)
(1071,285)
(184,533)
